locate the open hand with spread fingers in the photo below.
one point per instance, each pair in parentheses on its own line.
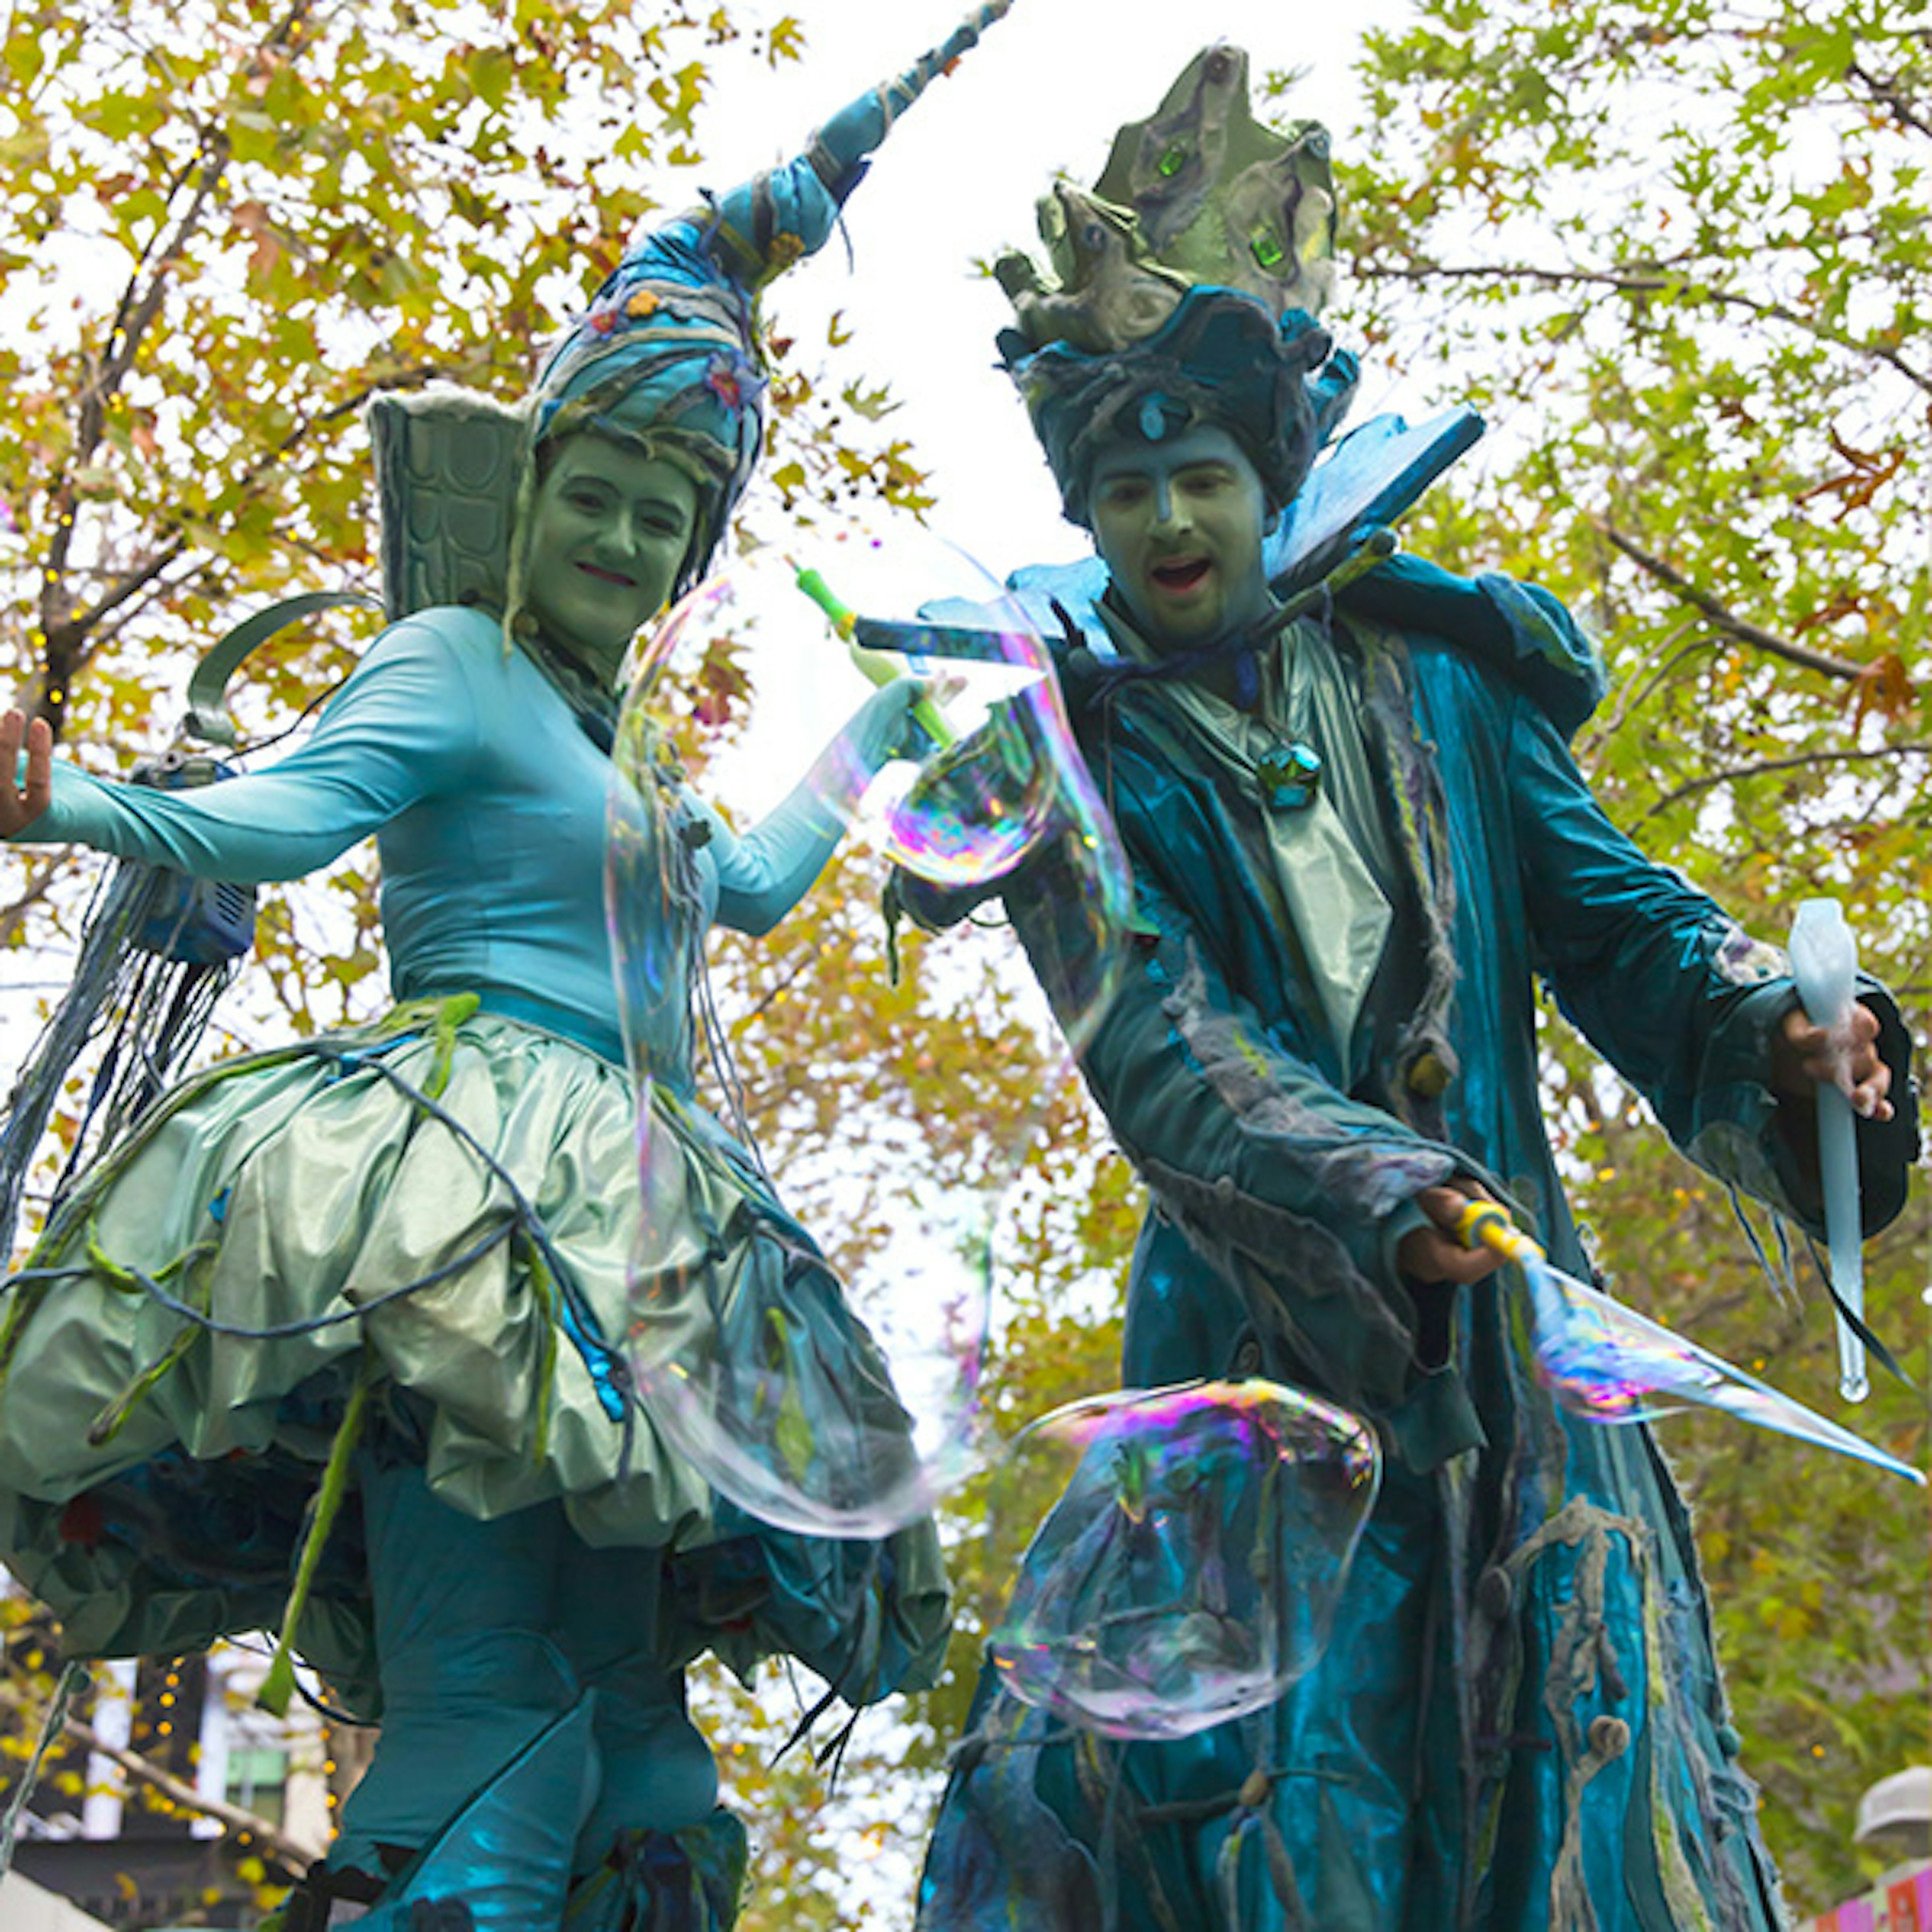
(24,794)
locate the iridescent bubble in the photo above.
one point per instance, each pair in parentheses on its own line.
(652,834)
(977,812)
(1191,1569)
(1608,1364)
(1015,792)
(831,1395)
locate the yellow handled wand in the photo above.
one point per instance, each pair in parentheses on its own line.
(1486,1224)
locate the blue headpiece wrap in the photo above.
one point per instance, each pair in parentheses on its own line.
(1221,358)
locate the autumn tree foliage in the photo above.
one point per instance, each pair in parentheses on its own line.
(233,224)
(1673,250)
(1676,252)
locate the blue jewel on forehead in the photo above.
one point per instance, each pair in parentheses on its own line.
(1154,418)
(1290,775)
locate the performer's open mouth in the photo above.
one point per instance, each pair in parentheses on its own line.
(604,576)
(1181,574)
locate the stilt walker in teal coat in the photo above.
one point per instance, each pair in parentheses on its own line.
(1359,843)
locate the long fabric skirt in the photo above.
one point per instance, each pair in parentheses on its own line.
(440,1210)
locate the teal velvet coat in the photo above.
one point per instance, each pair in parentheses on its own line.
(1518,1724)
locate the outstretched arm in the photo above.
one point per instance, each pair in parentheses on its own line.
(1299,1194)
(1665,986)
(402,726)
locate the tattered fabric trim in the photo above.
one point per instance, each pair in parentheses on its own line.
(278,1687)
(690,1880)
(1409,768)
(1255,1245)
(1582,1653)
(1363,1173)
(114,1417)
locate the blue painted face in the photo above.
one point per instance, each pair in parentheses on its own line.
(1181,524)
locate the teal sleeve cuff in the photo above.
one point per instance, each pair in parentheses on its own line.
(1746,1134)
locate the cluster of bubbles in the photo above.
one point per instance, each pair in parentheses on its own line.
(1192,1568)
(1191,1565)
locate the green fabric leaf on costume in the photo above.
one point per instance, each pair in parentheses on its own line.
(794,1434)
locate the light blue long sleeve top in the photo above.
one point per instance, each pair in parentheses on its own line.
(487,801)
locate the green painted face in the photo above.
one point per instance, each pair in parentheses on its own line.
(610,528)
(1180,524)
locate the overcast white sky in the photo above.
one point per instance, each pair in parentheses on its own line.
(957,181)
(956,184)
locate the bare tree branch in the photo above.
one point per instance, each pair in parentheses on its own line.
(1634,694)
(290,1852)
(13,916)
(1742,629)
(1887,92)
(66,639)
(1640,282)
(1764,767)
(63,629)
(73,645)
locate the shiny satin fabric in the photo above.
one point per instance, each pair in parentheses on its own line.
(298,1185)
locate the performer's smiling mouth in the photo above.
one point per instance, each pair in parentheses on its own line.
(603,576)
(1180,573)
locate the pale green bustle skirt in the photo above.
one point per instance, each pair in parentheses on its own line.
(306,1184)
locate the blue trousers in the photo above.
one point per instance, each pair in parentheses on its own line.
(486,1633)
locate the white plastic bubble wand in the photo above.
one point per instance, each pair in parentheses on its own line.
(1825,961)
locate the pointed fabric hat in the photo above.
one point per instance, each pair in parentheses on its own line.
(667,356)
(1184,289)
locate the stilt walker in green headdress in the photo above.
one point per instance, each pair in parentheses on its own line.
(325,1345)
(1358,842)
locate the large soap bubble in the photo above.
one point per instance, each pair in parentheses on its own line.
(834,1394)
(1015,792)
(1192,1568)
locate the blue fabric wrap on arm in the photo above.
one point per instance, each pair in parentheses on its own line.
(762,874)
